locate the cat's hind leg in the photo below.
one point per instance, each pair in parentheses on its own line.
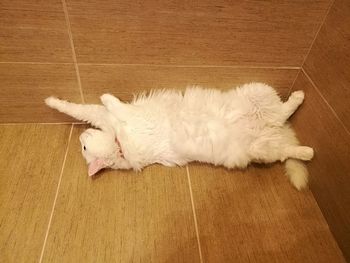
(282,153)
(280,144)
(292,104)
(279,147)
(295,168)
(304,153)
(293,155)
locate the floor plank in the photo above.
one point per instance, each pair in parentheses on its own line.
(31,157)
(25,86)
(330,169)
(123,81)
(195,33)
(121,216)
(257,216)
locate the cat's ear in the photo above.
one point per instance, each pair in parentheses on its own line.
(96,165)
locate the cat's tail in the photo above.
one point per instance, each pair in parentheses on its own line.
(297,173)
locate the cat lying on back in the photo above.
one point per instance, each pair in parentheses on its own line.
(232,128)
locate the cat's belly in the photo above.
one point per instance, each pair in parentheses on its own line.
(202,141)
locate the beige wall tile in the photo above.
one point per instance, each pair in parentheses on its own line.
(267,33)
(37,5)
(123,81)
(328,63)
(330,169)
(25,86)
(33,36)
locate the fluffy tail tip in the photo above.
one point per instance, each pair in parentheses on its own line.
(297,173)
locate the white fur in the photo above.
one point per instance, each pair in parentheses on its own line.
(232,128)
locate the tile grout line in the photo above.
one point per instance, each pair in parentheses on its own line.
(65,10)
(317,32)
(36,63)
(42,123)
(194,215)
(295,79)
(56,195)
(189,65)
(309,78)
(311,45)
(153,65)
(324,99)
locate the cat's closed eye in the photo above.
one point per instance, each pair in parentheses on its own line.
(84,148)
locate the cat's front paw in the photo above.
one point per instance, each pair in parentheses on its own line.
(109,100)
(51,101)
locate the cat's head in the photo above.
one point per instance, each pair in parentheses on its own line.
(99,149)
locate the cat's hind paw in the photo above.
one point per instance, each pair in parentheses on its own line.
(306,153)
(298,96)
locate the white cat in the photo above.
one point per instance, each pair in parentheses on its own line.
(232,128)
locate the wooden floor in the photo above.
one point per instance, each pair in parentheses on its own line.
(51,211)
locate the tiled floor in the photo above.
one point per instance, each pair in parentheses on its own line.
(51,211)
